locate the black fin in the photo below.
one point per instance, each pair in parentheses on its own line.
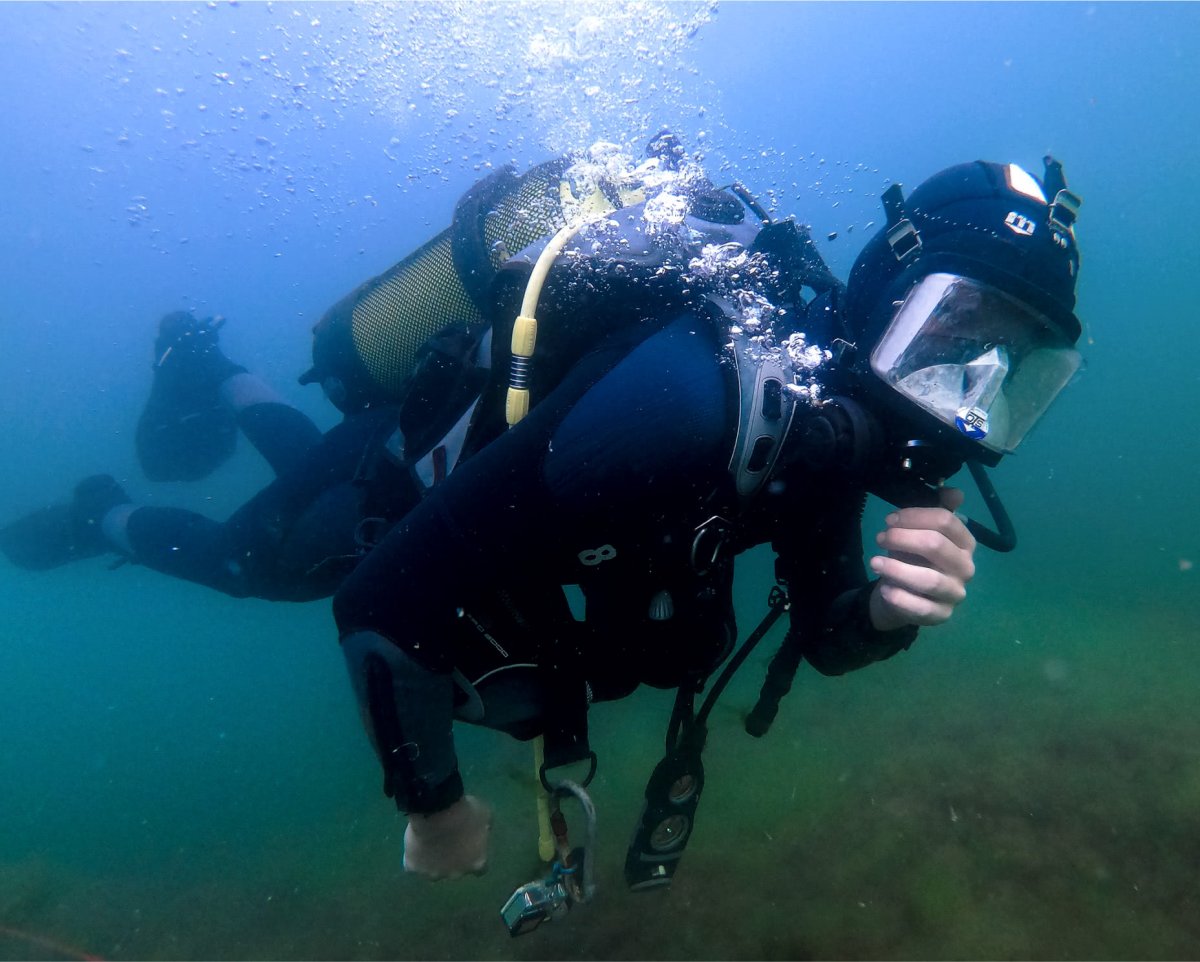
(61,533)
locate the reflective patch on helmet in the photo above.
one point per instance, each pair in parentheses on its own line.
(1023,183)
(973,422)
(1019,224)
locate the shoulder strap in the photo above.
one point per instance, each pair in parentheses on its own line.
(765,411)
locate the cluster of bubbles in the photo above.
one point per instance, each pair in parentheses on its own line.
(551,74)
(759,327)
(759,324)
(279,99)
(282,99)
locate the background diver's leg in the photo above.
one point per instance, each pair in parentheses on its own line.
(279,432)
(296,540)
(199,399)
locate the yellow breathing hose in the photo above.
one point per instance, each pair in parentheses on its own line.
(524,339)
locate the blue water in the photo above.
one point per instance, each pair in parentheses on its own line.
(182,775)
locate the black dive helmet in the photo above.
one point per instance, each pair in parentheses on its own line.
(957,331)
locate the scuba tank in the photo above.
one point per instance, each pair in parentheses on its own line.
(366,346)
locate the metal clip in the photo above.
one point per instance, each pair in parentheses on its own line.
(903,239)
(711,537)
(1065,210)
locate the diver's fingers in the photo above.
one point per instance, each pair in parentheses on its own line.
(914,609)
(930,547)
(937,519)
(929,583)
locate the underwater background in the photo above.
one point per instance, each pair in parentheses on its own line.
(182,775)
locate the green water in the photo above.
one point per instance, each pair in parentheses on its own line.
(183,775)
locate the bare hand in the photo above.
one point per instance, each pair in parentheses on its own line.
(450,843)
(930,559)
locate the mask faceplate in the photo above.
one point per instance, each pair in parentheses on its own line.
(974,358)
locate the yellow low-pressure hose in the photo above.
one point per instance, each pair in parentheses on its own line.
(524,335)
(545,834)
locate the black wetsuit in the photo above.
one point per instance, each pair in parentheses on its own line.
(298,538)
(603,486)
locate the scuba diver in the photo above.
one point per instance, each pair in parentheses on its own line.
(295,540)
(680,390)
(199,402)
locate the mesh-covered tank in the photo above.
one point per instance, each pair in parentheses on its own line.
(365,346)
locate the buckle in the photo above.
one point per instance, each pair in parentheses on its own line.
(1065,210)
(903,239)
(711,538)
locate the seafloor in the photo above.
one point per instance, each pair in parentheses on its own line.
(1023,784)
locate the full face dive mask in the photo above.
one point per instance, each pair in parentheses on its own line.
(975,358)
